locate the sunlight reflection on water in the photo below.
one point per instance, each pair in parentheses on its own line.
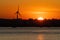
(40,37)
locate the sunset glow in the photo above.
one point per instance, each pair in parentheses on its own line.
(30,9)
(39,12)
(40,18)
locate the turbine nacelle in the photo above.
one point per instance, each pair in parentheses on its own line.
(18,12)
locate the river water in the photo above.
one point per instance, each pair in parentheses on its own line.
(29,34)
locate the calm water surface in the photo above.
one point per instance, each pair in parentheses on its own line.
(27,35)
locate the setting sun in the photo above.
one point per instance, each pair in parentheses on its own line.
(40,18)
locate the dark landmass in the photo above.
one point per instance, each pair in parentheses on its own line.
(29,23)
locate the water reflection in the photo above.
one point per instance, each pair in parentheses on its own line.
(49,37)
(29,36)
(40,37)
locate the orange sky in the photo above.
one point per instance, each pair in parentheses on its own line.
(30,8)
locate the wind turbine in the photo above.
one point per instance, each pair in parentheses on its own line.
(17,13)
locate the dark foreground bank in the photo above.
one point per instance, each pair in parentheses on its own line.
(29,23)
